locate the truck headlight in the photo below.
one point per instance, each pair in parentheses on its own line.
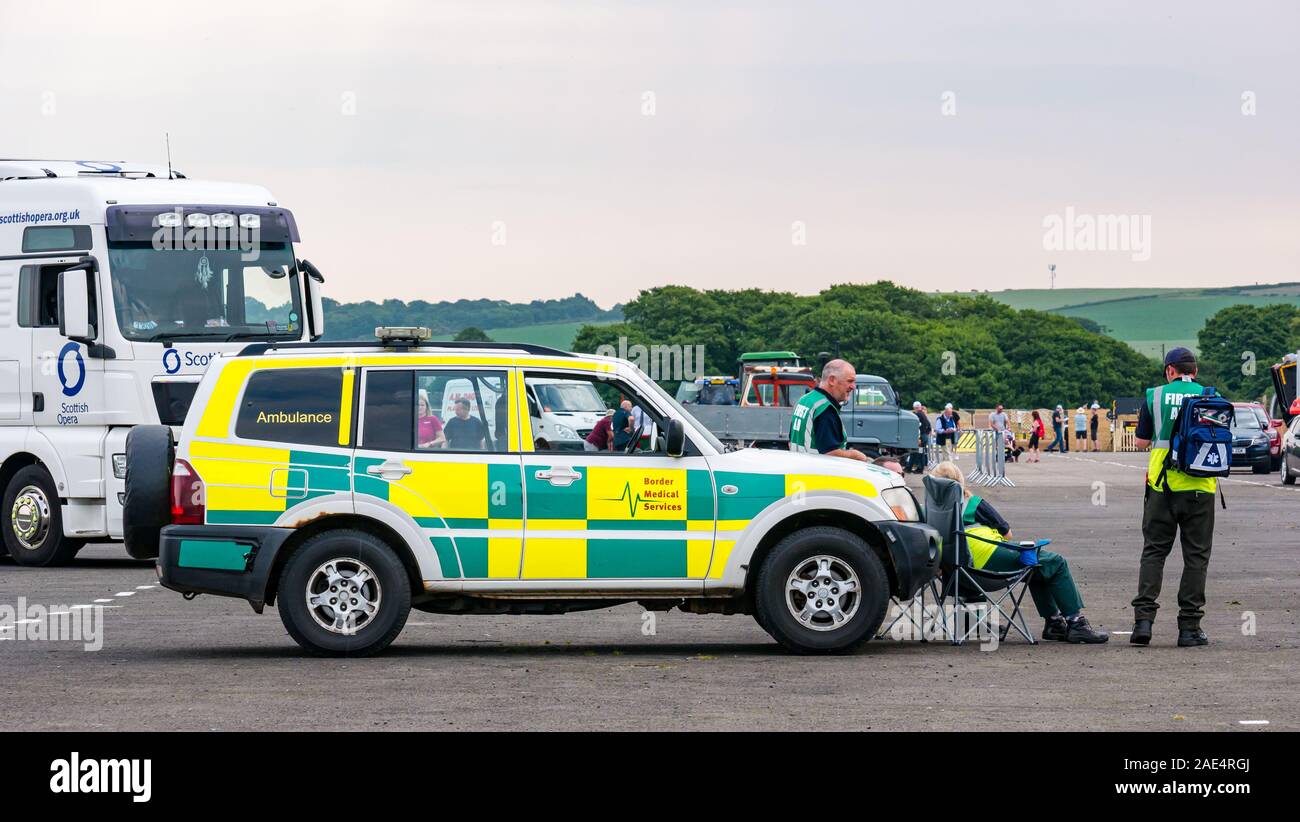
(902,503)
(564,432)
(119,466)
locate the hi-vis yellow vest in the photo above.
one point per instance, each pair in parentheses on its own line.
(1163,402)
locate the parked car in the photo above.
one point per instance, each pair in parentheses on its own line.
(1251,446)
(299,480)
(1290,468)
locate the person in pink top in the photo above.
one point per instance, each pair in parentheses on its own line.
(429,427)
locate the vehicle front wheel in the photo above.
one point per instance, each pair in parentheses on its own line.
(1288,476)
(33,528)
(821,590)
(344,593)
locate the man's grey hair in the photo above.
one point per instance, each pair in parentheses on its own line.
(836,369)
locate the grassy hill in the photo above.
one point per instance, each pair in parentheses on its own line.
(1148,318)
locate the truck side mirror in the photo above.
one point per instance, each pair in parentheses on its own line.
(675,438)
(74,304)
(315,299)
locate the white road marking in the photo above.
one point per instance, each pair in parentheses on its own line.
(102,600)
(1252,721)
(124,594)
(143,587)
(1116,633)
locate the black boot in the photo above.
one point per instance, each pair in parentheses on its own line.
(1141,632)
(1191,637)
(1081,631)
(1055,628)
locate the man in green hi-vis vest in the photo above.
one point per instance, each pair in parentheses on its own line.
(815,425)
(1175,504)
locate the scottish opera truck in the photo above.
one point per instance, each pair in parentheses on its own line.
(119,283)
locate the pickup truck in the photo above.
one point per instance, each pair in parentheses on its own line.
(873,421)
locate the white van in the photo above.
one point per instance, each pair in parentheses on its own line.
(119,283)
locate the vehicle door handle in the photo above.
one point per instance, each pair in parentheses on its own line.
(559,475)
(390,470)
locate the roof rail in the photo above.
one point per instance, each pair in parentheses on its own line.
(257,349)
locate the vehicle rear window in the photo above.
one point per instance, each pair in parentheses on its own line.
(294,405)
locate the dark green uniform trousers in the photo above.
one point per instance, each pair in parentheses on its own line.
(1190,516)
(1051,585)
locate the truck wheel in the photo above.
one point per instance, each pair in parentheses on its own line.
(33,529)
(150,453)
(822,590)
(344,593)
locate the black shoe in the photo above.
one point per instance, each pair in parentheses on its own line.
(1141,632)
(1191,637)
(1056,628)
(1081,631)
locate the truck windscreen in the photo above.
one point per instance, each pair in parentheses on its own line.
(163,294)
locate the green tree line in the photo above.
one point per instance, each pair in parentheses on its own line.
(1239,343)
(357,321)
(971,351)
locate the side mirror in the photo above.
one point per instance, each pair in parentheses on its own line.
(74,304)
(675,438)
(315,299)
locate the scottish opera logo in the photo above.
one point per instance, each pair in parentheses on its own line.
(171,361)
(71,387)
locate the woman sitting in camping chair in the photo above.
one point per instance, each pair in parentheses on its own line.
(1053,589)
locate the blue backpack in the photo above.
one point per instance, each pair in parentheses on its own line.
(1201,442)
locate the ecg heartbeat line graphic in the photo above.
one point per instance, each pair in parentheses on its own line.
(632,502)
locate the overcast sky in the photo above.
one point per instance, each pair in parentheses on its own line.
(530,150)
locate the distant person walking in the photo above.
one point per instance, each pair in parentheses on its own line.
(1036,434)
(998,419)
(1060,442)
(1093,425)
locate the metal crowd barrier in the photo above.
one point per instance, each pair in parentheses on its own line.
(990,460)
(933,453)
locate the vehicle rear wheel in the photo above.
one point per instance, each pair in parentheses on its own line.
(1260,468)
(344,593)
(821,590)
(33,530)
(150,453)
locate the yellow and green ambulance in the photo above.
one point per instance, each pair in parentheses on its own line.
(351,482)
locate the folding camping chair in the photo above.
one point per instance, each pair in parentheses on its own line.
(966,584)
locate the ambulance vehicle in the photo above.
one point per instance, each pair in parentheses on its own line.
(301,478)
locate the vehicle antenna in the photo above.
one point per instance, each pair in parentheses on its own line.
(168,138)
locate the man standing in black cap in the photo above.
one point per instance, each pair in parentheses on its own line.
(1183,507)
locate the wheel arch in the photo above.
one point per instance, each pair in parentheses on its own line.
(339,522)
(833,517)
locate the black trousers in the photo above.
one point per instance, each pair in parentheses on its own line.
(1190,516)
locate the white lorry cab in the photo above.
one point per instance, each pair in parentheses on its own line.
(119,283)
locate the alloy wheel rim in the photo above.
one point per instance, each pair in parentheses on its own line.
(343,595)
(823,593)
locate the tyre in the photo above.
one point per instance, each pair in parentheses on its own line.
(33,527)
(344,593)
(821,590)
(1260,468)
(150,453)
(1288,476)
